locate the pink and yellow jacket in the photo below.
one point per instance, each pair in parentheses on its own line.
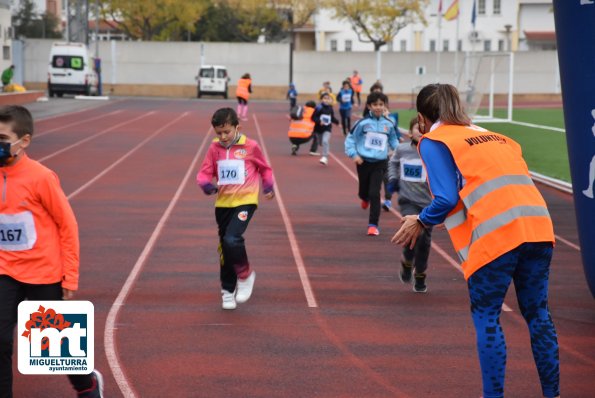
(255,165)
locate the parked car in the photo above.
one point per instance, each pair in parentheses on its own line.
(212,80)
(71,70)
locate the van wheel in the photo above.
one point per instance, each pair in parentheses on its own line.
(225,95)
(87,90)
(198,94)
(60,95)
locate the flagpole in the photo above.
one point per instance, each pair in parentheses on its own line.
(439,41)
(457,48)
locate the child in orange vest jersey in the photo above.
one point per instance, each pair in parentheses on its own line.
(301,131)
(243,92)
(39,251)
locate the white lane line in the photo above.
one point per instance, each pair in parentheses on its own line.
(94,136)
(111,351)
(295,249)
(567,242)
(92,107)
(117,162)
(435,246)
(46,132)
(539,126)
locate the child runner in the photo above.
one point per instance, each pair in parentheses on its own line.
(236,163)
(301,131)
(407,176)
(42,262)
(367,145)
(292,96)
(357,82)
(324,116)
(243,92)
(345,99)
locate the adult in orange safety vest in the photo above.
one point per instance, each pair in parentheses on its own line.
(499,225)
(300,131)
(243,91)
(356,84)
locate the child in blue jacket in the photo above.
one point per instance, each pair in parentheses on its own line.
(368,145)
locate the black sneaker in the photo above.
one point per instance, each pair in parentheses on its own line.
(420,283)
(96,390)
(405,273)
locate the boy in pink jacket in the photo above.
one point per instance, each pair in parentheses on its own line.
(236,163)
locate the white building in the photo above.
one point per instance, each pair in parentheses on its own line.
(500,25)
(5,34)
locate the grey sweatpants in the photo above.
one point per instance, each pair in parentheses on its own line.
(420,253)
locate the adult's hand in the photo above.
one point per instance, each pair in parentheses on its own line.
(409,232)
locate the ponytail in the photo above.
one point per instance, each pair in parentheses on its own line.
(441,102)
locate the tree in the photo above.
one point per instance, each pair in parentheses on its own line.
(379,21)
(29,24)
(153,20)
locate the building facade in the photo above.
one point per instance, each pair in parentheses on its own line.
(500,25)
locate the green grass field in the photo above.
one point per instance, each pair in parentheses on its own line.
(544,150)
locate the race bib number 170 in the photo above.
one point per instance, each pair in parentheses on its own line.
(231,172)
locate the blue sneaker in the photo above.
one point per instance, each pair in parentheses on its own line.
(387,205)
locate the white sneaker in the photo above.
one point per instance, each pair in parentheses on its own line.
(244,288)
(324,160)
(228,300)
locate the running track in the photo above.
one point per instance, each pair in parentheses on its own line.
(329,317)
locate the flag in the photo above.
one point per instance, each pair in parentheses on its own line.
(453,11)
(473,15)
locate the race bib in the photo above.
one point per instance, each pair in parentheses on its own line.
(231,171)
(17,231)
(413,170)
(346,98)
(376,141)
(325,120)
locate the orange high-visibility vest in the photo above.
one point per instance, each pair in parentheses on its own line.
(356,83)
(302,128)
(242,90)
(499,207)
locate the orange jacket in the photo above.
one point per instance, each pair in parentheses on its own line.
(39,242)
(302,128)
(499,207)
(243,88)
(356,83)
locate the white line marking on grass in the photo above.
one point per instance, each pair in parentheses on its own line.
(435,246)
(46,132)
(110,324)
(299,261)
(93,136)
(539,126)
(117,162)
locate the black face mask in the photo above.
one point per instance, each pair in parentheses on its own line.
(6,157)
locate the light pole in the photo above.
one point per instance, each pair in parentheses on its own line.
(508,28)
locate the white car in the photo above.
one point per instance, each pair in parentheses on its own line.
(71,70)
(212,80)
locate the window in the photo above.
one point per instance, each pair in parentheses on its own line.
(497,7)
(445,45)
(481,7)
(432,45)
(207,72)
(403,45)
(487,45)
(333,45)
(221,73)
(6,52)
(389,46)
(500,45)
(460,45)
(348,44)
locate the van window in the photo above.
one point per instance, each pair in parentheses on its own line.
(221,73)
(68,62)
(210,72)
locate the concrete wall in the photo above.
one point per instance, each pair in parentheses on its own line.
(169,68)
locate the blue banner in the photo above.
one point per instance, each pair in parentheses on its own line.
(575,34)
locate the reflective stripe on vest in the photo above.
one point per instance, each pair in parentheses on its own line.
(302,128)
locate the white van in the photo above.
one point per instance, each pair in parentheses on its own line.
(212,80)
(71,70)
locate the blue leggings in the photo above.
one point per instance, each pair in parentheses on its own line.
(528,266)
